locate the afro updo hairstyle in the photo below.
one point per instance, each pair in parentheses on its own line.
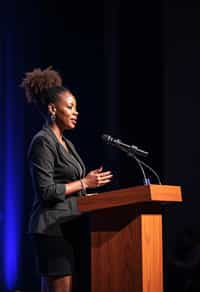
(42,87)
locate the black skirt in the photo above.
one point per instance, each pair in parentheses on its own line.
(54,255)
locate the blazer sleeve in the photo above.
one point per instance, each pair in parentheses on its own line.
(41,162)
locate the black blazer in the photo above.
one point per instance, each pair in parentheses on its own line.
(51,167)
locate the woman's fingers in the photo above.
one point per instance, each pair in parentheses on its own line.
(97,178)
(104,178)
(100,169)
(105,182)
(102,174)
(102,183)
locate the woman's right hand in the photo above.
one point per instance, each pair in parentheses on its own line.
(97,178)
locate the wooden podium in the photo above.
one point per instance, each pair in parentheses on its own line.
(126,237)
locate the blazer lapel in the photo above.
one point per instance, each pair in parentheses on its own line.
(65,155)
(75,154)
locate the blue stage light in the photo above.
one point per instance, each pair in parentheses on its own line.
(13,179)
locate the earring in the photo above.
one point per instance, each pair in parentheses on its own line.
(53,117)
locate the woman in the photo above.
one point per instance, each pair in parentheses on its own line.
(58,177)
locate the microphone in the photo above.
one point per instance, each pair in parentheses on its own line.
(131,149)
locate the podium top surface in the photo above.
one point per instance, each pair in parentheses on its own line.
(130,196)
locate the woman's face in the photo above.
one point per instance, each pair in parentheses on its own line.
(66,112)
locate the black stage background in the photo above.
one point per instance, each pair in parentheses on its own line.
(134,68)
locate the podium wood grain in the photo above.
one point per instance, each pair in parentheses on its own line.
(133,195)
(126,238)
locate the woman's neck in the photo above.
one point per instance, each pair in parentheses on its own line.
(57,130)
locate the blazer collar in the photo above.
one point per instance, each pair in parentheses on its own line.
(47,129)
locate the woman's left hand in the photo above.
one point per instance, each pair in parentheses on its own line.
(97,178)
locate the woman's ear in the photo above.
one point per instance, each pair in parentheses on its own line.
(52,108)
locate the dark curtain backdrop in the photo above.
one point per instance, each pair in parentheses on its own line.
(134,70)
(13,52)
(181,142)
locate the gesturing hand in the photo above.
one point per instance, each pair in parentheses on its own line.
(97,178)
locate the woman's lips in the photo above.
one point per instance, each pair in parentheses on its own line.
(74,121)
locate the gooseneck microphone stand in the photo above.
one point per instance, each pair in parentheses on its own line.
(131,153)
